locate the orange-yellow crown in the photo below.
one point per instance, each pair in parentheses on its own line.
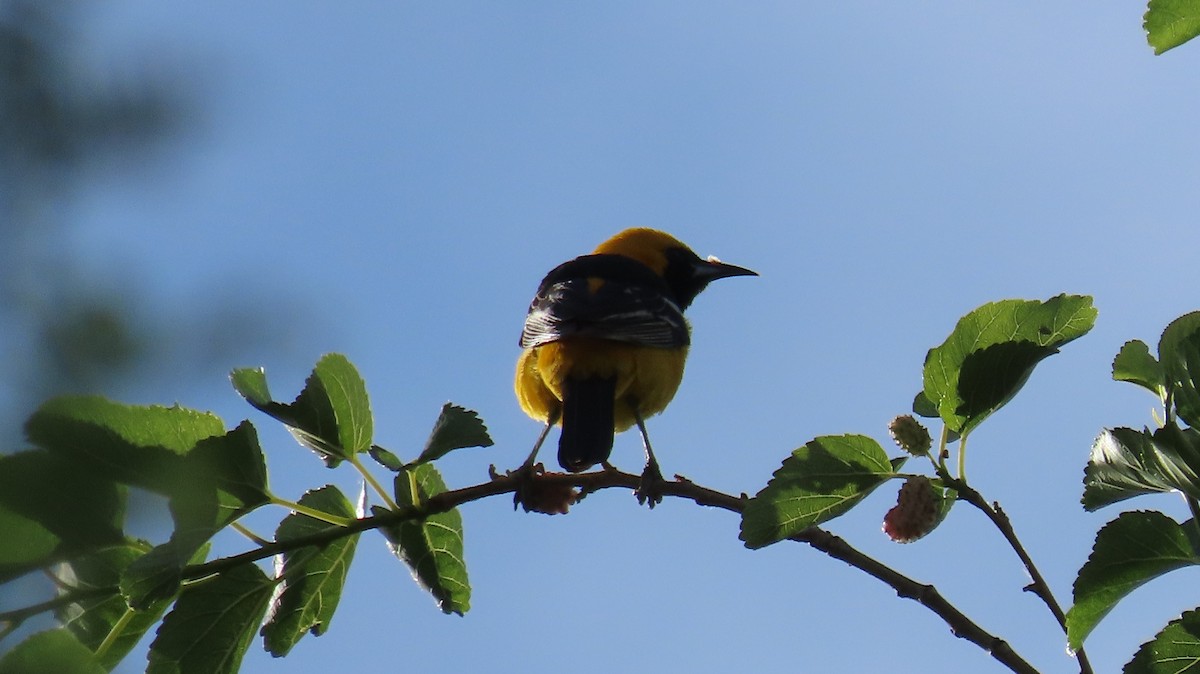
(648,246)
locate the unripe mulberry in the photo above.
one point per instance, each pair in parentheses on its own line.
(916,511)
(910,435)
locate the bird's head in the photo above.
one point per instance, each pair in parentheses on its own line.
(685,272)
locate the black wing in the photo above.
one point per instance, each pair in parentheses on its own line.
(607,297)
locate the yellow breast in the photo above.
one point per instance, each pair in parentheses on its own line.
(646,377)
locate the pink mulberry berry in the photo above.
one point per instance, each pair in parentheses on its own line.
(916,511)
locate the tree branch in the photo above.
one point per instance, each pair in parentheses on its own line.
(834,546)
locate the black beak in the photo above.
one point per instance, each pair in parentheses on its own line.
(713,269)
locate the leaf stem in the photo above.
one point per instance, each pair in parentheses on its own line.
(942,453)
(243,530)
(962,457)
(413,492)
(383,493)
(320,515)
(114,633)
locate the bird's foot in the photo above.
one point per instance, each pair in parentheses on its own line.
(535,494)
(650,491)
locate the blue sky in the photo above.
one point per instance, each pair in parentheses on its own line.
(400,175)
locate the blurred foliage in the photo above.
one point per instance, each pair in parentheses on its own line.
(63,124)
(52,116)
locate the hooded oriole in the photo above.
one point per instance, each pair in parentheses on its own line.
(605,342)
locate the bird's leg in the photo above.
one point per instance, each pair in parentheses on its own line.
(525,473)
(649,492)
(540,439)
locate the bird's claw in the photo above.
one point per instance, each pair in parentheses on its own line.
(650,491)
(523,476)
(543,496)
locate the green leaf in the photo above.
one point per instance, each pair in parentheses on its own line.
(432,548)
(948,498)
(157,574)
(131,444)
(1125,463)
(223,478)
(1174,650)
(1131,550)
(212,624)
(92,619)
(251,384)
(312,581)
(78,507)
(210,476)
(386,459)
(1134,364)
(456,428)
(992,351)
(1179,350)
(819,481)
(331,416)
(229,469)
(174,428)
(50,652)
(1170,23)
(924,407)
(28,545)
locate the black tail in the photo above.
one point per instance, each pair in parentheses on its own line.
(587,423)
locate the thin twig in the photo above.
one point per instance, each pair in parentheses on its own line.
(17,616)
(1039,587)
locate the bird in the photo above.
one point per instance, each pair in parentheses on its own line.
(605,342)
